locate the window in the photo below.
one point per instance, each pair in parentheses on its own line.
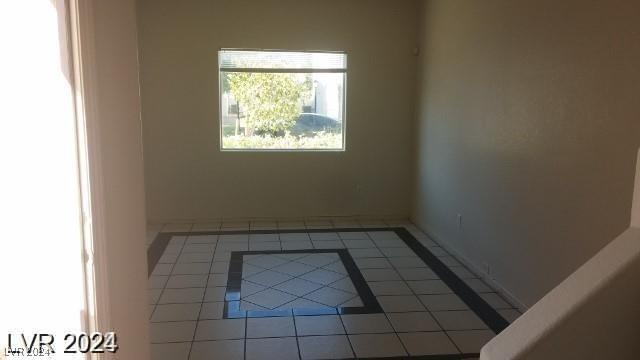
(282,100)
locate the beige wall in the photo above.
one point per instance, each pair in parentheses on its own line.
(593,314)
(187,177)
(597,302)
(528,127)
(122,168)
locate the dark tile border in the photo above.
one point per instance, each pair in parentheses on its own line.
(476,303)
(232,297)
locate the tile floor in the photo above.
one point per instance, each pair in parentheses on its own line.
(196,311)
(295,280)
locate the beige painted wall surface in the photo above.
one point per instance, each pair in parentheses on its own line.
(186,175)
(122,169)
(593,314)
(597,302)
(529,124)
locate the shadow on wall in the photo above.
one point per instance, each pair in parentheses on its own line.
(588,315)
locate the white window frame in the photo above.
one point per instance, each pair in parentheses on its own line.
(344,72)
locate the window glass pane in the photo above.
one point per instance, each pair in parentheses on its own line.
(232,59)
(299,110)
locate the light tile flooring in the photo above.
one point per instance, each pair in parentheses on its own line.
(422,315)
(296,281)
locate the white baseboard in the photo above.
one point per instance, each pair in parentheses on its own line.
(492,282)
(360,217)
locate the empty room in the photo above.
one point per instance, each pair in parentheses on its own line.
(323,179)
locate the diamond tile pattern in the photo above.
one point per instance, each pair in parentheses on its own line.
(303,280)
(298,287)
(269,298)
(265,261)
(268,278)
(322,276)
(329,296)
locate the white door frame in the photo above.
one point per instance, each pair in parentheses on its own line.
(81,31)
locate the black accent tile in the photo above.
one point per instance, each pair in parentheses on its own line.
(477,304)
(316,311)
(268,313)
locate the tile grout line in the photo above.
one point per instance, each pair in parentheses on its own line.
(303,296)
(421,303)
(341,254)
(418,298)
(173,265)
(294,276)
(326,314)
(346,334)
(195,331)
(368,238)
(299,336)
(246,325)
(489,316)
(384,311)
(386,315)
(434,319)
(180,254)
(298,297)
(392,267)
(295,331)
(416,295)
(299,277)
